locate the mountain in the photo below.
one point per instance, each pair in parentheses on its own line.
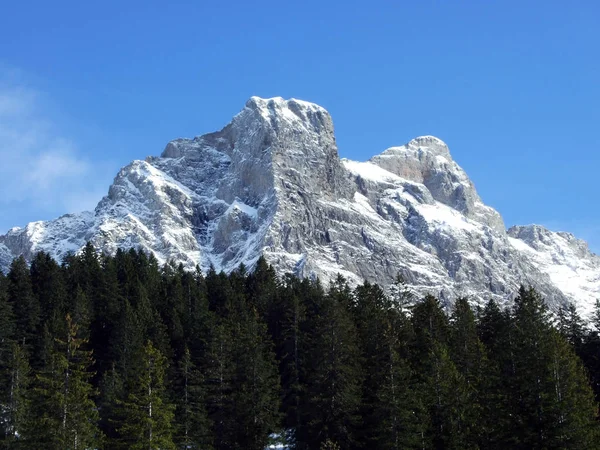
(271,183)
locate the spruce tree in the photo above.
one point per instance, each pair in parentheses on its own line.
(127,342)
(286,317)
(7,331)
(261,289)
(469,356)
(111,391)
(15,411)
(548,381)
(590,352)
(444,390)
(332,375)
(256,394)
(107,310)
(393,416)
(241,374)
(495,332)
(48,286)
(65,416)
(571,326)
(430,326)
(573,410)
(193,429)
(25,305)
(146,414)
(219,379)
(446,395)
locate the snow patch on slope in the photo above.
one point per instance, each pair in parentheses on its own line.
(571,267)
(271,183)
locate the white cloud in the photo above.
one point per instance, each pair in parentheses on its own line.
(41,168)
(54,165)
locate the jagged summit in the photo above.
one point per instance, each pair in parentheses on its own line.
(298,107)
(422,144)
(271,183)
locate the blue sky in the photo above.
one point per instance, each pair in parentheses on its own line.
(513,87)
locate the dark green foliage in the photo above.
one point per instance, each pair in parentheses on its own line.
(7,332)
(545,370)
(571,326)
(48,287)
(25,305)
(182,360)
(193,429)
(332,373)
(393,415)
(64,414)
(146,416)
(445,391)
(590,351)
(15,412)
(242,377)
(470,358)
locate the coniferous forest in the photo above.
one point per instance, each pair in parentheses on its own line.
(104,352)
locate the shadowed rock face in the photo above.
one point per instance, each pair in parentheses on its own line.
(271,183)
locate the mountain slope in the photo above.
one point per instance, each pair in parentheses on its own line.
(271,182)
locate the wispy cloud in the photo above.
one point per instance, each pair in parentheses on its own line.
(41,167)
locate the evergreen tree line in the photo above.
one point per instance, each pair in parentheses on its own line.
(106,352)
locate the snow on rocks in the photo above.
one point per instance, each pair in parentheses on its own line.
(271,183)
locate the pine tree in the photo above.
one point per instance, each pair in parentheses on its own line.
(25,305)
(219,379)
(332,375)
(48,287)
(65,416)
(401,296)
(107,304)
(7,331)
(430,326)
(590,351)
(112,390)
(173,305)
(286,316)
(446,395)
(147,416)
(469,356)
(571,325)
(261,288)
(444,390)
(573,410)
(548,382)
(392,413)
(128,342)
(256,395)
(492,326)
(596,315)
(241,374)
(14,413)
(193,430)
(495,332)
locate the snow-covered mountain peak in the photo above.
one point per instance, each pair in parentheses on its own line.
(426,160)
(539,237)
(298,113)
(429,144)
(271,183)
(567,261)
(269,105)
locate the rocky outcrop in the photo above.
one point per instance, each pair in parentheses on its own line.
(271,183)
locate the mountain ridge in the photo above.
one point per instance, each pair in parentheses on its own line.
(271,183)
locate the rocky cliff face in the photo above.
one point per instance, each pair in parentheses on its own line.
(271,183)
